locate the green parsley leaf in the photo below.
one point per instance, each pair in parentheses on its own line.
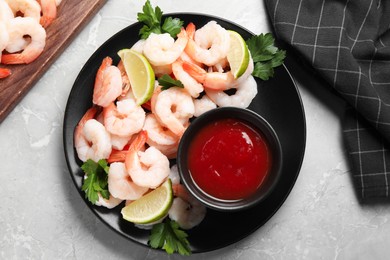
(151,18)
(172,26)
(167,82)
(96,181)
(265,55)
(168,236)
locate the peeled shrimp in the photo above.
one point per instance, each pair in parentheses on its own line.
(91,139)
(108,83)
(209,44)
(149,168)
(29,8)
(4,37)
(18,28)
(5,11)
(161,137)
(173,108)
(187,211)
(217,80)
(49,12)
(174,175)
(125,118)
(203,105)
(162,49)
(120,184)
(245,92)
(112,202)
(193,87)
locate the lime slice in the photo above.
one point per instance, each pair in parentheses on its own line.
(238,55)
(150,207)
(140,73)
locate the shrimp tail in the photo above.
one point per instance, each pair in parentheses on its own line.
(25,57)
(49,12)
(195,71)
(190,29)
(139,141)
(4,73)
(117,156)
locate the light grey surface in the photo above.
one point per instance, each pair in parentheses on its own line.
(43,217)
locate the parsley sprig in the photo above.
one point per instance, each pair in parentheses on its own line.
(168,236)
(96,181)
(166,82)
(266,56)
(151,18)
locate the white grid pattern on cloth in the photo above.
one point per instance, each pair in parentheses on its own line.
(302,24)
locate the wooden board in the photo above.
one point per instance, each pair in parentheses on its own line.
(72,16)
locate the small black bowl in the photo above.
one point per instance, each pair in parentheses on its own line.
(257,123)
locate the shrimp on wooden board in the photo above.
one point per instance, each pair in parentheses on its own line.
(91,139)
(209,44)
(5,11)
(49,12)
(120,184)
(173,108)
(162,49)
(187,211)
(161,137)
(18,28)
(243,96)
(124,118)
(149,168)
(108,83)
(4,37)
(29,8)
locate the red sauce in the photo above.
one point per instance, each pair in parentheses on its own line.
(228,159)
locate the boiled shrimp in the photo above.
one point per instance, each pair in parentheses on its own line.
(124,118)
(125,79)
(174,175)
(18,28)
(120,184)
(108,83)
(209,44)
(49,12)
(149,168)
(29,8)
(187,211)
(110,203)
(5,11)
(161,137)
(243,96)
(217,80)
(173,108)
(202,105)
(193,87)
(4,37)
(91,139)
(162,49)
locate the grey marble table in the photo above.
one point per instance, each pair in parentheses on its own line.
(43,217)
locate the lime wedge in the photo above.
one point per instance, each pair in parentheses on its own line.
(150,207)
(140,74)
(238,55)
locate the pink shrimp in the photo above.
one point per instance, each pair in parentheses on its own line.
(91,139)
(108,83)
(120,184)
(4,73)
(49,12)
(149,168)
(187,211)
(18,28)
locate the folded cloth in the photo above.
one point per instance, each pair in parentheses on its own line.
(348,44)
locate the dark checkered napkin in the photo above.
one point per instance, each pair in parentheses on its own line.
(348,44)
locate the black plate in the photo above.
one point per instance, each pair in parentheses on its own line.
(277,100)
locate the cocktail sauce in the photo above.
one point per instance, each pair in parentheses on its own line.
(229,159)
